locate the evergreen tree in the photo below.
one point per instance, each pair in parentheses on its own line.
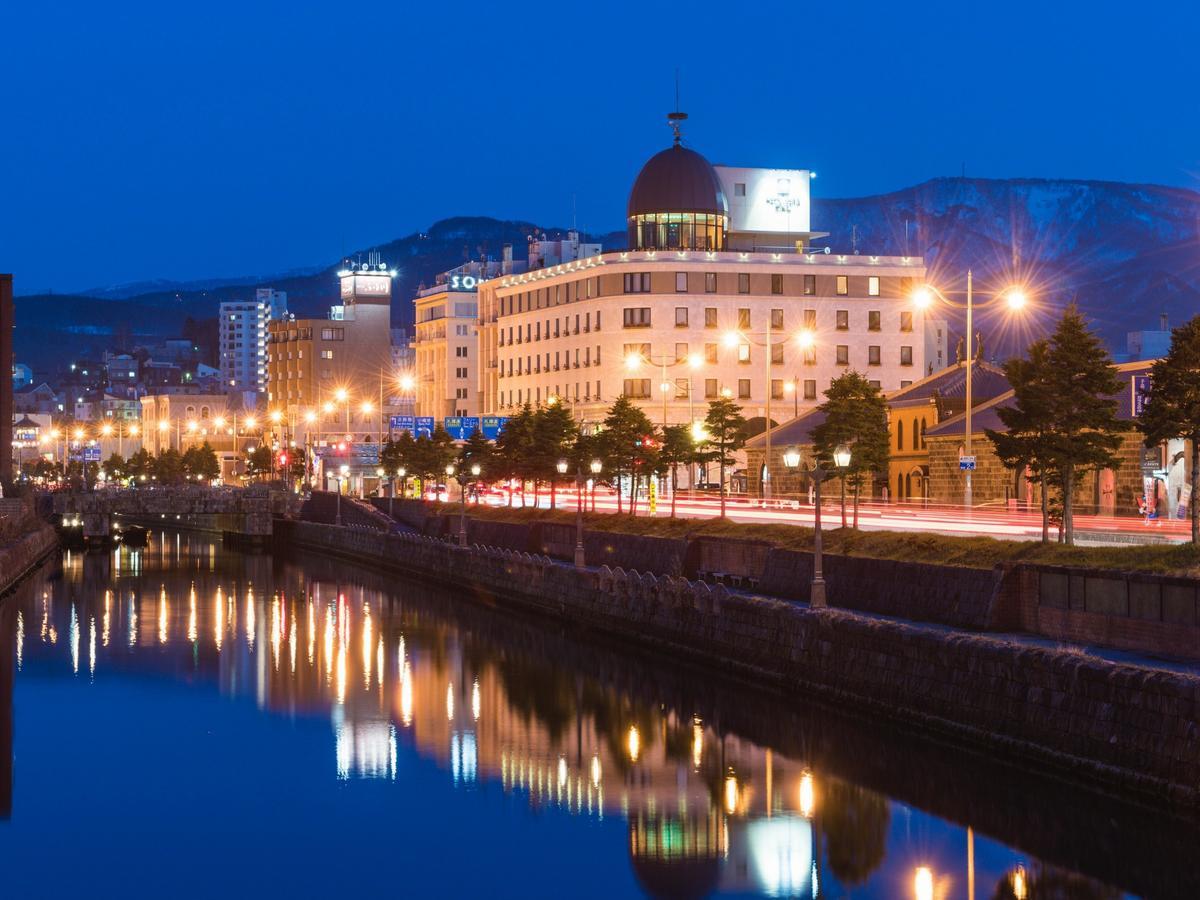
(553,435)
(398,454)
(856,415)
(201,463)
(514,447)
(626,428)
(1082,385)
(115,467)
(259,462)
(678,449)
(476,451)
(1173,407)
(140,466)
(1029,438)
(168,468)
(725,428)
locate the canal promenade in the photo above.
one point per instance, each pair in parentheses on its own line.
(1117,725)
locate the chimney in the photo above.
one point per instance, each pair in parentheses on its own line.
(506,263)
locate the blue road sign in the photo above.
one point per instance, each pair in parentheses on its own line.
(423,425)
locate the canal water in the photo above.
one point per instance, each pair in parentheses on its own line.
(189,721)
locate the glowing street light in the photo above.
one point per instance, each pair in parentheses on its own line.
(340,395)
(407,383)
(1015,299)
(923,883)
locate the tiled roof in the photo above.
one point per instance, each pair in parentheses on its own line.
(797,431)
(987,381)
(985,415)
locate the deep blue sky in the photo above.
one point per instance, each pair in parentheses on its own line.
(189,140)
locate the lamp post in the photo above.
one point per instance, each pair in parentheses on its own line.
(596,467)
(841,459)
(816,592)
(562,470)
(1016,300)
(665,361)
(343,471)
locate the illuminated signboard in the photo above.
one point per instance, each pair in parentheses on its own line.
(464,282)
(1141,391)
(366,286)
(766,200)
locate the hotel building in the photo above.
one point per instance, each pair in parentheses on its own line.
(720,293)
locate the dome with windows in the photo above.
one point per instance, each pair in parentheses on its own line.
(677,203)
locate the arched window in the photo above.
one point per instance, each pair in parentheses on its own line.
(922,433)
(204,412)
(915,436)
(899,434)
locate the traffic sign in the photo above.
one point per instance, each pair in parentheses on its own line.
(423,425)
(402,423)
(966,463)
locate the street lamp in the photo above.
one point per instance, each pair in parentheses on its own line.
(343,472)
(791,459)
(841,459)
(1015,298)
(596,466)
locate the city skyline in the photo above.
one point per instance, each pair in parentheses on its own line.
(231,133)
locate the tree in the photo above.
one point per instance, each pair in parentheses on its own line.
(115,467)
(201,463)
(856,415)
(398,454)
(140,466)
(626,428)
(1173,408)
(553,434)
(514,447)
(259,462)
(168,468)
(1081,387)
(725,428)
(476,451)
(854,823)
(1028,441)
(678,449)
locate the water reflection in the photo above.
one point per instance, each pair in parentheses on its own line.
(720,790)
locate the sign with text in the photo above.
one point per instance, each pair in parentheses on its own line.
(492,426)
(966,463)
(461,427)
(423,425)
(403,423)
(1140,385)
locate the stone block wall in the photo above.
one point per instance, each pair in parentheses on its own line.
(1119,725)
(1128,611)
(21,552)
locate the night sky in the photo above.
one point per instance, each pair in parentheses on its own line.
(191,140)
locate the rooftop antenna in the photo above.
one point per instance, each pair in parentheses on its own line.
(676,119)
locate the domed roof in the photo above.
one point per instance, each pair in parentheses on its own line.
(677,180)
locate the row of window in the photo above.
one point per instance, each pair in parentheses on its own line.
(808,354)
(562,327)
(290,334)
(639,283)
(640,317)
(562,360)
(918,434)
(554,295)
(521,396)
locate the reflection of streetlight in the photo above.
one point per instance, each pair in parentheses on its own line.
(923,883)
(731,794)
(1020,888)
(807,804)
(634,742)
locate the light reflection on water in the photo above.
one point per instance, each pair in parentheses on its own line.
(401,673)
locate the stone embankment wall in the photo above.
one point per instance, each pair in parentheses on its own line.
(1117,725)
(24,542)
(1128,611)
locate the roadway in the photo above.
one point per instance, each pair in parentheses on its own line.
(987,521)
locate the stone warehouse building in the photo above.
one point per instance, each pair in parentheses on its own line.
(1157,472)
(720,293)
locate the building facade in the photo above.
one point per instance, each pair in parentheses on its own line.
(334,375)
(719,294)
(243,341)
